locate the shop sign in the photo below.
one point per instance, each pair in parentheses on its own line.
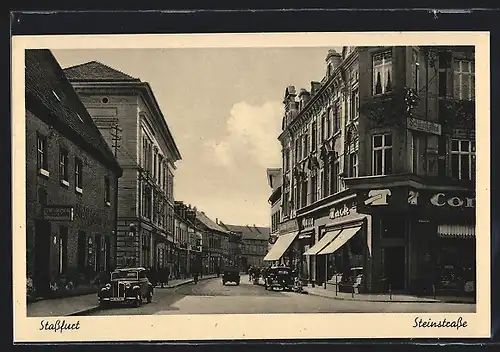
(442,199)
(423,126)
(307,223)
(58,213)
(377,197)
(340,212)
(288,226)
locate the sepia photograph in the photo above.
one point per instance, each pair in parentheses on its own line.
(262,181)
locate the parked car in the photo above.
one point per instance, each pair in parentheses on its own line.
(128,285)
(231,274)
(279,277)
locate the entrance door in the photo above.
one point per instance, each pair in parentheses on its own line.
(41,277)
(395,268)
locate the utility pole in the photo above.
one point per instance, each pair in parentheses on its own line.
(115,137)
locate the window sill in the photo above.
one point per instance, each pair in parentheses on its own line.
(78,190)
(65,183)
(44,173)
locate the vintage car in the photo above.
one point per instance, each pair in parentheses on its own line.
(279,277)
(231,274)
(129,285)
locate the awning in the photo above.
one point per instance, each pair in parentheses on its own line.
(340,240)
(324,241)
(460,231)
(280,247)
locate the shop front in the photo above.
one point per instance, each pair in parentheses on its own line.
(423,238)
(284,250)
(341,248)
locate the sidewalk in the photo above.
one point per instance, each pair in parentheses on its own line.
(84,303)
(329,292)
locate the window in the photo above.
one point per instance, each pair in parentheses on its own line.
(326,179)
(306,145)
(78,175)
(155,165)
(146,249)
(415,70)
(442,84)
(41,142)
(303,197)
(354,104)
(160,166)
(63,165)
(353,164)
(328,121)
(463,71)
(463,159)
(382,67)
(314,187)
(445,59)
(314,136)
(382,154)
(336,118)
(300,143)
(63,249)
(286,159)
(146,201)
(107,191)
(297,158)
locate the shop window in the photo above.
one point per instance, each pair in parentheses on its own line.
(382,154)
(464,79)
(463,159)
(63,166)
(382,68)
(42,162)
(394,228)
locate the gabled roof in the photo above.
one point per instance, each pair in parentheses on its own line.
(250,232)
(48,90)
(96,71)
(205,220)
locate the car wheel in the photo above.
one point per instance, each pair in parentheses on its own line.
(138,300)
(149,297)
(224,283)
(237,283)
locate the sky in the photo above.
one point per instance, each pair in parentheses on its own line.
(224,109)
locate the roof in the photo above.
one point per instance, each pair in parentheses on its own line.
(48,89)
(96,71)
(205,220)
(249,232)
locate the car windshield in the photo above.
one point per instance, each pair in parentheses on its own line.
(124,275)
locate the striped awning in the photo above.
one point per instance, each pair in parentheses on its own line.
(459,231)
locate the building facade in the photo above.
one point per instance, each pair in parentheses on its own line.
(71,183)
(215,243)
(187,241)
(274,179)
(254,242)
(126,112)
(379,170)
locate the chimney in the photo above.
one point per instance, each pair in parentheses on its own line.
(315,86)
(304,97)
(333,60)
(217,221)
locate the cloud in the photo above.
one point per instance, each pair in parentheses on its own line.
(252,132)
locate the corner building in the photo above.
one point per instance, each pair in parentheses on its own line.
(128,115)
(379,171)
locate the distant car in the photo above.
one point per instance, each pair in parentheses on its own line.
(231,275)
(129,285)
(279,277)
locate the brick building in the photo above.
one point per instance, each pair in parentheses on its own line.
(379,170)
(126,112)
(71,183)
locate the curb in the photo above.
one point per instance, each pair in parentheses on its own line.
(387,301)
(97,307)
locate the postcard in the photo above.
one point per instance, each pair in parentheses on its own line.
(251,186)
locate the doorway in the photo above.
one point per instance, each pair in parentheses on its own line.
(41,277)
(395,266)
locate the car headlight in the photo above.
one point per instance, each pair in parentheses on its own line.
(107,287)
(127,285)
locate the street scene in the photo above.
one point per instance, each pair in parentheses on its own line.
(326,180)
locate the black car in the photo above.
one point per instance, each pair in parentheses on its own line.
(279,277)
(129,285)
(231,275)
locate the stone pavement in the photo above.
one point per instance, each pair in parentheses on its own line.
(329,292)
(78,304)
